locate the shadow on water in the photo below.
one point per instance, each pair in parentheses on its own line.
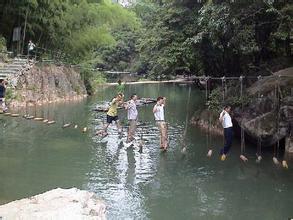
(150,185)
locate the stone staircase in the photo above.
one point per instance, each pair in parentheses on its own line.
(10,70)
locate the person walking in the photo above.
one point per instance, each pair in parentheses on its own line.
(226,121)
(159,115)
(112,115)
(132,115)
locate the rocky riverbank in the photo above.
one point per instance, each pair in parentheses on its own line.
(267,115)
(57,204)
(42,84)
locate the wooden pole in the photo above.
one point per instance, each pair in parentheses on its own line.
(24,30)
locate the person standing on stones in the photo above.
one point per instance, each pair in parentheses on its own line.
(2,95)
(132,118)
(159,114)
(112,115)
(226,121)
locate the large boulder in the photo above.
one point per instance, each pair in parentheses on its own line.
(265,117)
(57,204)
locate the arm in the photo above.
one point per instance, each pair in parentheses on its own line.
(127,105)
(222,115)
(121,103)
(155,108)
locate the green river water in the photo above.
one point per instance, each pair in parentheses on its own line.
(35,158)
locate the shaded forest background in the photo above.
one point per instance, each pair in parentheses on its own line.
(156,38)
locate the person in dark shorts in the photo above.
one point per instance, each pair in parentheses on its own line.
(112,115)
(2,95)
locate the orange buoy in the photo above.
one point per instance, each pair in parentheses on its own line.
(210,152)
(223,157)
(284,164)
(183,150)
(243,158)
(258,158)
(275,160)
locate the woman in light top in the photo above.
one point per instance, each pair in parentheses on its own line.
(132,114)
(159,115)
(226,121)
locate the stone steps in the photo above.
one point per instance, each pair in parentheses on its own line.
(10,68)
(13,68)
(8,71)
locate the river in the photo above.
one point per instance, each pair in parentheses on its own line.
(150,185)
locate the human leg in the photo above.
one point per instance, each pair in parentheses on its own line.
(164,135)
(228,134)
(3,105)
(160,130)
(131,131)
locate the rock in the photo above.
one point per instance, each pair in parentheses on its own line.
(47,83)
(57,204)
(259,118)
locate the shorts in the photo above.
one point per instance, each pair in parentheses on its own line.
(111,118)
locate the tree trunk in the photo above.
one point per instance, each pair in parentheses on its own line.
(24,30)
(288,44)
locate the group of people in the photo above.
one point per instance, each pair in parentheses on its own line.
(132,117)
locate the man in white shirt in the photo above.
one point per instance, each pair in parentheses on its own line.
(31,47)
(158,111)
(226,121)
(132,117)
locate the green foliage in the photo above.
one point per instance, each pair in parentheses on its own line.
(2,44)
(119,56)
(216,100)
(75,27)
(156,38)
(215,39)
(9,94)
(3,55)
(91,77)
